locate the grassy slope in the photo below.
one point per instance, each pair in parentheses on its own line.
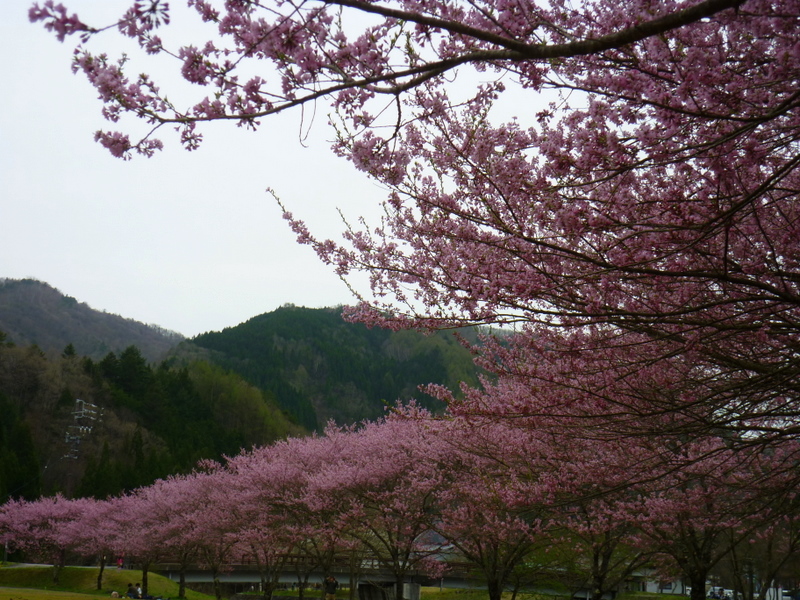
(78,583)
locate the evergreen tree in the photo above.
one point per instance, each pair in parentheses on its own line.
(19,463)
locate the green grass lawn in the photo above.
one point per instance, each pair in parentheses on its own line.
(80,583)
(15,593)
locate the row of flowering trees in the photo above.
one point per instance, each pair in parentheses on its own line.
(417,495)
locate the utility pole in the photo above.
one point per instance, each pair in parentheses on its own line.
(84,417)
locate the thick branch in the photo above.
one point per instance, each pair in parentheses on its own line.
(545,51)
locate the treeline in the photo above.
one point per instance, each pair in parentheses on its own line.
(33,312)
(321,368)
(496,502)
(150,420)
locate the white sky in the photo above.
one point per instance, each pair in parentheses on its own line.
(188,241)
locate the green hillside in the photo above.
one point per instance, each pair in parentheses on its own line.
(143,421)
(321,368)
(83,580)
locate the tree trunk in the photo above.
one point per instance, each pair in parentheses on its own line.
(602,551)
(58,564)
(495,589)
(267,587)
(598,587)
(217,583)
(182,583)
(302,584)
(698,583)
(100,574)
(184,565)
(399,585)
(145,571)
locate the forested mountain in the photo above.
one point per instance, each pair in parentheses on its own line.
(321,368)
(32,312)
(161,408)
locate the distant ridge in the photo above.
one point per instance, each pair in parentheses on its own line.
(33,312)
(315,366)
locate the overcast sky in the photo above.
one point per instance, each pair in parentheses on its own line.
(187,241)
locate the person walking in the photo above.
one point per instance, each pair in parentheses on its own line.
(330,586)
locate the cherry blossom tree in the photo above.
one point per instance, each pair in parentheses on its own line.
(489,509)
(316,523)
(155,516)
(754,565)
(44,527)
(597,541)
(698,513)
(384,491)
(90,534)
(209,520)
(312,52)
(644,211)
(757,560)
(274,524)
(518,486)
(134,523)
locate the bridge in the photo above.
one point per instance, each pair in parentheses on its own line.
(371,580)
